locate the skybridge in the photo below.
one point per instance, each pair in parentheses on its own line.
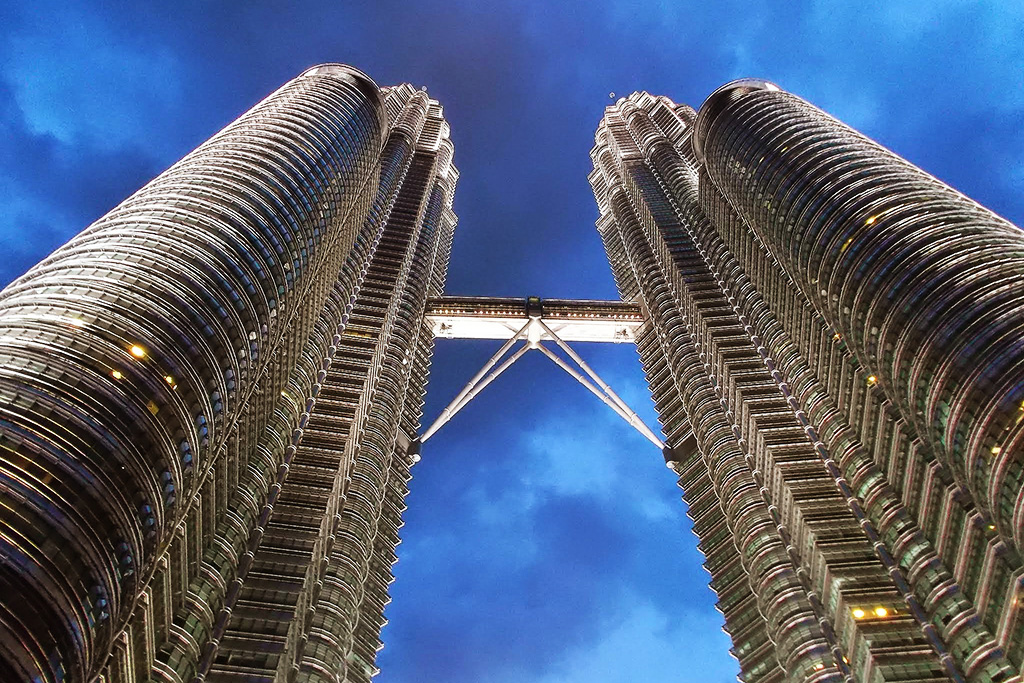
(538,324)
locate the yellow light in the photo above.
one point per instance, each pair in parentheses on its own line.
(881,612)
(858,613)
(116,374)
(996,450)
(169,379)
(872,379)
(819,667)
(837,336)
(871,220)
(137,351)
(991,527)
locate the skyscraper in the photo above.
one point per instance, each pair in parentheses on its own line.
(208,398)
(835,352)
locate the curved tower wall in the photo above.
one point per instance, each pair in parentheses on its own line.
(779,254)
(158,371)
(921,282)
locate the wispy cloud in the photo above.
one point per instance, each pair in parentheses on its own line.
(62,74)
(644,643)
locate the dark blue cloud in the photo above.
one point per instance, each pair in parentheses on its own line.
(558,526)
(545,541)
(50,190)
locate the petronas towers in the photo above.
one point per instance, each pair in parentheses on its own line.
(210,399)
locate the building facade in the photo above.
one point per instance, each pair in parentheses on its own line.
(210,398)
(835,352)
(207,400)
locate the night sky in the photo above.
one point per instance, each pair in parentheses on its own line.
(545,540)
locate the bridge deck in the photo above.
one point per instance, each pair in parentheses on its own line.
(579,320)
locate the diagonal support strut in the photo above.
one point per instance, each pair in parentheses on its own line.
(464,397)
(625,413)
(532,333)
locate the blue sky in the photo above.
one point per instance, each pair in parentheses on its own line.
(545,541)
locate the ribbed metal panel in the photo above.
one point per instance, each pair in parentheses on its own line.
(313,607)
(745,227)
(922,283)
(153,344)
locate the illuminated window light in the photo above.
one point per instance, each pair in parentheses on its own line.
(859,613)
(819,667)
(116,374)
(996,450)
(169,380)
(871,220)
(137,351)
(881,612)
(872,380)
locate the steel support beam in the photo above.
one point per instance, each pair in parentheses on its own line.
(457,403)
(533,332)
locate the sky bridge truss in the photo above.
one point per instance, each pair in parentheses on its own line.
(534,321)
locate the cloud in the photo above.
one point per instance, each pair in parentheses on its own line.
(644,643)
(56,188)
(529,521)
(62,75)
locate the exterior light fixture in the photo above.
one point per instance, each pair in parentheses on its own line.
(859,613)
(137,351)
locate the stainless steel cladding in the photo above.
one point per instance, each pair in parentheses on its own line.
(158,372)
(843,335)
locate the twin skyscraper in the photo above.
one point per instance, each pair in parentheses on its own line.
(210,399)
